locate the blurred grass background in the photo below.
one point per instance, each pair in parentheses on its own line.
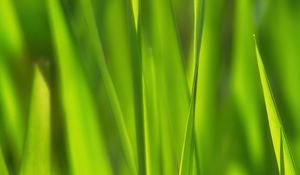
(107,86)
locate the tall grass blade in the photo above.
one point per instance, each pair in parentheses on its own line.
(151,114)
(277,131)
(95,39)
(10,32)
(207,108)
(159,37)
(11,111)
(137,75)
(36,156)
(245,84)
(3,167)
(189,141)
(135,8)
(281,155)
(282,26)
(87,152)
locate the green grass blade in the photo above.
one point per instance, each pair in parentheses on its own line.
(282,25)
(138,88)
(87,153)
(135,9)
(282,168)
(207,108)
(11,36)
(3,167)
(245,84)
(12,115)
(36,156)
(189,141)
(152,129)
(160,38)
(198,28)
(108,83)
(236,168)
(277,131)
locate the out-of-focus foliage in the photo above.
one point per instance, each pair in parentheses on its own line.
(149,87)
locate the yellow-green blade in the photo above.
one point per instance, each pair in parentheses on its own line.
(36,154)
(134,35)
(277,131)
(245,85)
(159,34)
(135,10)
(96,44)
(189,140)
(152,131)
(86,149)
(207,109)
(189,143)
(11,36)
(282,25)
(3,168)
(11,111)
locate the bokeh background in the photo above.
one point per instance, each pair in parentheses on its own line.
(87,53)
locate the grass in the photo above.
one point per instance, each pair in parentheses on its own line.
(189,139)
(109,86)
(245,78)
(37,146)
(3,168)
(283,155)
(11,35)
(149,87)
(11,112)
(80,112)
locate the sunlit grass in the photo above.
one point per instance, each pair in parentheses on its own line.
(129,87)
(38,140)
(282,151)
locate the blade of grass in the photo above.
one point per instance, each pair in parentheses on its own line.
(282,25)
(189,140)
(245,84)
(108,83)
(236,168)
(36,156)
(87,152)
(152,124)
(159,34)
(137,75)
(189,143)
(207,109)
(135,8)
(3,168)
(277,131)
(11,36)
(13,121)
